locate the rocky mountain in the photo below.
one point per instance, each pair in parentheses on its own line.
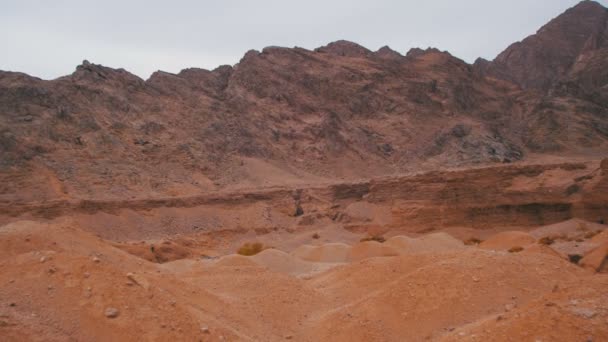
(292,116)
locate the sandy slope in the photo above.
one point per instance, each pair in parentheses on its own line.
(57,281)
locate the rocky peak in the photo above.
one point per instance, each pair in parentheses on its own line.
(541,59)
(417,52)
(344,48)
(388,53)
(88,72)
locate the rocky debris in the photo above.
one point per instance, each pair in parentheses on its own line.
(111,312)
(205,330)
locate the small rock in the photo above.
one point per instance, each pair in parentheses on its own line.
(509,307)
(138,280)
(112,312)
(43,259)
(475,279)
(96,260)
(86,274)
(13,304)
(584,312)
(205,330)
(288,337)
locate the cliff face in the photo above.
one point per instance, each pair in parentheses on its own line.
(290,115)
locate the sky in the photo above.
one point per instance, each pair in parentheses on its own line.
(48,39)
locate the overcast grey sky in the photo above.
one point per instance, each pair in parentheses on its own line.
(48,39)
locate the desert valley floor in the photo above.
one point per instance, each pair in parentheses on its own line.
(477,255)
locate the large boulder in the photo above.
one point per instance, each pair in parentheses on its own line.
(597,259)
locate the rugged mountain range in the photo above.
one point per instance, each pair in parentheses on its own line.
(291,115)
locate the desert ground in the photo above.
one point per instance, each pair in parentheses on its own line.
(340,262)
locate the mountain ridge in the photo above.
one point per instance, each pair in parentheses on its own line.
(295,115)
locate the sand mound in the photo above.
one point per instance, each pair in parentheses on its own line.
(234,260)
(414,302)
(432,243)
(597,259)
(507,240)
(370,249)
(279,261)
(401,243)
(329,252)
(580,319)
(541,249)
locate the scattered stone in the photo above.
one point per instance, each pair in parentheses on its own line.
(584,312)
(288,337)
(475,279)
(12,304)
(138,280)
(43,259)
(205,330)
(86,274)
(112,312)
(509,307)
(96,260)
